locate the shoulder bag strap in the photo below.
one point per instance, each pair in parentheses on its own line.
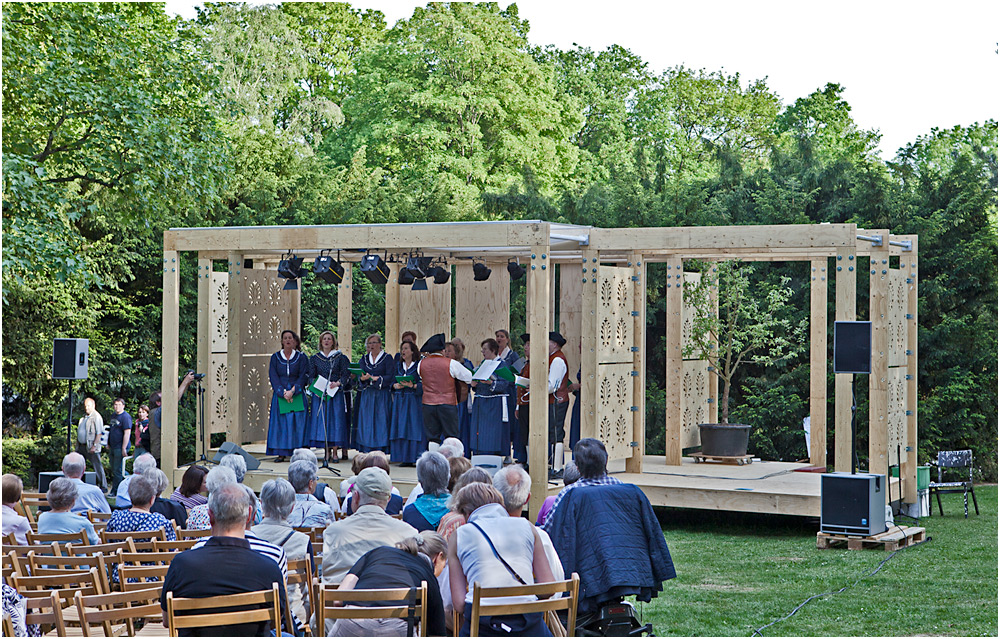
(497,555)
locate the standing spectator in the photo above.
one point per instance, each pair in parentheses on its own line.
(427,509)
(308,511)
(89,434)
(141,432)
(277,498)
(217,478)
(139,518)
(189,493)
(12,522)
(166,507)
(141,464)
(89,497)
(62,496)
(153,431)
(119,432)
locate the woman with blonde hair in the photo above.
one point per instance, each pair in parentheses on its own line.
(328,415)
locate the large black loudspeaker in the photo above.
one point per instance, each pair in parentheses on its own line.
(229,447)
(852,504)
(69,358)
(852,347)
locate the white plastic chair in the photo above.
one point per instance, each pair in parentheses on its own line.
(489,463)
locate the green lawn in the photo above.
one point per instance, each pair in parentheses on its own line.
(738,572)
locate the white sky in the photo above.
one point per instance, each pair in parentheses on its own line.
(906,66)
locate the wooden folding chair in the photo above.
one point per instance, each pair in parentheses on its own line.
(194,533)
(75,550)
(137,536)
(144,576)
(412,605)
(64,585)
(8,627)
(21,552)
(10,540)
(63,538)
(173,546)
(45,610)
(119,609)
(147,558)
(12,565)
(299,583)
(315,533)
(31,503)
(97,517)
(571,585)
(48,566)
(338,515)
(271,613)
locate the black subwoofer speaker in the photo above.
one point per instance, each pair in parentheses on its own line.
(852,504)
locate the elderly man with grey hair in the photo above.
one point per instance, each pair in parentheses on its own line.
(345,541)
(277,498)
(514,483)
(216,478)
(166,507)
(225,564)
(61,496)
(141,464)
(433,473)
(307,511)
(89,497)
(324,492)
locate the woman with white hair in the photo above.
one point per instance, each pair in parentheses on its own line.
(215,479)
(433,473)
(139,518)
(277,498)
(307,510)
(239,467)
(61,497)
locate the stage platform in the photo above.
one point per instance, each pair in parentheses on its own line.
(778,488)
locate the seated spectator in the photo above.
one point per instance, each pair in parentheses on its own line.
(277,498)
(324,492)
(451,448)
(345,541)
(216,478)
(474,553)
(454,517)
(138,518)
(62,496)
(189,493)
(239,468)
(13,522)
(591,459)
(89,497)
(427,509)
(14,608)
(455,444)
(405,565)
(260,546)
(457,467)
(225,563)
(166,507)
(307,511)
(570,475)
(377,459)
(141,464)
(347,482)
(514,483)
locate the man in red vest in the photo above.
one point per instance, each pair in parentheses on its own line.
(438,374)
(558,386)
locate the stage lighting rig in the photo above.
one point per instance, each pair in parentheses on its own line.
(328,270)
(516,270)
(290,268)
(440,273)
(480,272)
(375,269)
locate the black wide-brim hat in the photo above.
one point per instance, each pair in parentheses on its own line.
(554,336)
(434,344)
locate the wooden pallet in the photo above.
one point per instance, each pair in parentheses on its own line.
(739,460)
(893,539)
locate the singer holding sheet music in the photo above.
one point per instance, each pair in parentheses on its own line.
(286,429)
(375,399)
(406,434)
(491,412)
(328,415)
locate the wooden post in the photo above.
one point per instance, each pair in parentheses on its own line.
(570,287)
(204,352)
(634,463)
(345,321)
(168,371)
(847,283)
(674,359)
(538,329)
(234,352)
(878,381)
(588,341)
(818,360)
(391,336)
(908,263)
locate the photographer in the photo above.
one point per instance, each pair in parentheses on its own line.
(151,438)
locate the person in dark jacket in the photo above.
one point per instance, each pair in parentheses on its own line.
(166,507)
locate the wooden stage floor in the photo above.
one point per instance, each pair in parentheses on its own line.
(761,487)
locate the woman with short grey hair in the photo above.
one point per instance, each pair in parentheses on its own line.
(215,479)
(237,464)
(433,473)
(277,497)
(61,497)
(307,510)
(139,519)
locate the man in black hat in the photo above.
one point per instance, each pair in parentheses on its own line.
(558,387)
(438,374)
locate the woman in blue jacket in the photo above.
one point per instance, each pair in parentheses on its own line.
(328,415)
(406,435)
(375,399)
(287,373)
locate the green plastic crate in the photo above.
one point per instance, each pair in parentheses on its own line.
(923,476)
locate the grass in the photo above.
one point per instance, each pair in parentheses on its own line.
(738,572)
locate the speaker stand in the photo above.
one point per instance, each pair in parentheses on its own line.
(69,419)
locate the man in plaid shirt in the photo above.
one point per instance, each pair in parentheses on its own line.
(591,458)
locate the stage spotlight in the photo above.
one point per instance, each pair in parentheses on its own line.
(290,268)
(328,270)
(375,269)
(440,274)
(418,266)
(516,270)
(405,277)
(480,272)
(419,285)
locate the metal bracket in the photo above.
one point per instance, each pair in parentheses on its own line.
(635,313)
(634,409)
(909,377)
(710,400)
(906,244)
(909,413)
(876,240)
(634,373)
(909,352)
(635,278)
(634,444)
(634,349)
(909,316)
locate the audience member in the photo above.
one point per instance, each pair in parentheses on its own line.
(451,448)
(454,517)
(13,522)
(141,464)
(189,493)
(473,557)
(89,497)
(141,427)
(260,546)
(456,444)
(378,459)
(225,564)
(514,483)
(347,482)
(239,468)
(277,498)
(151,439)
(166,507)
(427,509)
(570,475)
(139,518)
(14,608)
(307,511)
(324,492)
(62,495)
(89,434)
(591,459)
(119,434)
(218,477)
(345,541)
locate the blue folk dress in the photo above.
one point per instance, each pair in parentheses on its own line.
(574,420)
(510,426)
(328,415)
(406,434)
(375,403)
(491,415)
(464,414)
(286,432)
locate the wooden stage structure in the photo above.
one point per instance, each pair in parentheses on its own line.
(601,295)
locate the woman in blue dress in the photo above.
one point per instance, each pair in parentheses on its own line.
(328,415)
(375,398)
(455,349)
(574,420)
(491,410)
(406,435)
(287,373)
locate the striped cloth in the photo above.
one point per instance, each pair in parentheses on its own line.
(196,499)
(266,548)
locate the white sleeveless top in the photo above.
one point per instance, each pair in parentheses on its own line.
(513,539)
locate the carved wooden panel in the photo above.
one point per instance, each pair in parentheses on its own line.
(615,324)
(480,307)
(216,400)
(266,311)
(897,414)
(218,309)
(687,322)
(614,408)
(425,312)
(898,292)
(694,401)
(255,399)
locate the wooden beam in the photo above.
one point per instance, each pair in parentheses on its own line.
(171,358)
(788,236)
(908,263)
(391,336)
(538,329)
(345,308)
(234,352)
(204,349)
(818,360)
(878,380)
(674,359)
(847,282)
(634,463)
(588,342)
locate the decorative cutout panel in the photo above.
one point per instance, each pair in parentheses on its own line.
(694,401)
(897,415)
(897,327)
(687,321)
(218,312)
(615,324)
(266,310)
(614,409)
(255,398)
(216,400)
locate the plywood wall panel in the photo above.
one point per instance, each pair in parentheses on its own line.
(480,307)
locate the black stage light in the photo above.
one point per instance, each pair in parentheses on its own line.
(440,274)
(516,270)
(375,269)
(419,285)
(480,272)
(418,266)
(290,268)
(405,276)
(328,269)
